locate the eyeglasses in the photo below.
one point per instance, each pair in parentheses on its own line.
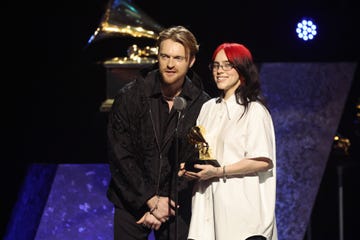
(225,67)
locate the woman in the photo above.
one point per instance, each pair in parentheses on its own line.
(237,200)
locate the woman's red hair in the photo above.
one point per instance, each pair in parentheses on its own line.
(233,51)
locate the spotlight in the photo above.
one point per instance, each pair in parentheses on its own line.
(306,30)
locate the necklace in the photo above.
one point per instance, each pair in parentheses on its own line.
(167,98)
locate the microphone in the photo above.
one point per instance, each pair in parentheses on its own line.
(179,103)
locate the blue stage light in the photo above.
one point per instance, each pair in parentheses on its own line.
(306,29)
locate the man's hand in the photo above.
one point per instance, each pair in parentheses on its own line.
(149,221)
(161,207)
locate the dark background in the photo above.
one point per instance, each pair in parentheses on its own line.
(53,85)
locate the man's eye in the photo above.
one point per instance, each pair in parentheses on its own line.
(179,58)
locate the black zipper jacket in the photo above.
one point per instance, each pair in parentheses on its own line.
(141,164)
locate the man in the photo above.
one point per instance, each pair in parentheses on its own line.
(147,136)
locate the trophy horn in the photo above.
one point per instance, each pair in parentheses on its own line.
(123,18)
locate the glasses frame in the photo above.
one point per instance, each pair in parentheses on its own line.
(226,67)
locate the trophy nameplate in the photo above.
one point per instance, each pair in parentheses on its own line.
(195,137)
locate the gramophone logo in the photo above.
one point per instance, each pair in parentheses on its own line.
(196,137)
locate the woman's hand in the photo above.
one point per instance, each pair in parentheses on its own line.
(207,171)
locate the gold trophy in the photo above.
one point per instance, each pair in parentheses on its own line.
(195,137)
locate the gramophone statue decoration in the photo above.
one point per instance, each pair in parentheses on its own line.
(123,19)
(196,137)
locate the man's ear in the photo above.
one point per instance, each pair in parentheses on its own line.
(192,61)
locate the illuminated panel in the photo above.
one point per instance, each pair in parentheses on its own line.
(306,102)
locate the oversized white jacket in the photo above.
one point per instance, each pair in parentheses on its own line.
(243,205)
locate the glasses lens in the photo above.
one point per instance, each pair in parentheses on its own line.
(214,66)
(227,66)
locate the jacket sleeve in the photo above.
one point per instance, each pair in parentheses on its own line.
(129,180)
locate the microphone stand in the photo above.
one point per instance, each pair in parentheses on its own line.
(179,105)
(176,172)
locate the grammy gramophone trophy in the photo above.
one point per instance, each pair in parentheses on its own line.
(195,137)
(137,32)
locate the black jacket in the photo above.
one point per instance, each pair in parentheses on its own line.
(141,163)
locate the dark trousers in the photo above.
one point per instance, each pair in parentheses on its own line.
(126,228)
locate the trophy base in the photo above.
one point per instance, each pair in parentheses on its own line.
(189,166)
